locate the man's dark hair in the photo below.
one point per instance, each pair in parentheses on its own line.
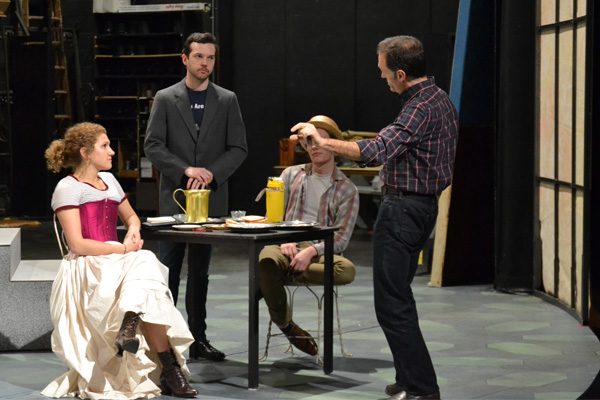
(198,38)
(405,53)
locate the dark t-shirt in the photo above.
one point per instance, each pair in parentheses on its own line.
(197,100)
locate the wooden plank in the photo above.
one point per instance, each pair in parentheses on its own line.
(441,231)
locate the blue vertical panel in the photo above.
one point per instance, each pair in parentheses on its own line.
(460,52)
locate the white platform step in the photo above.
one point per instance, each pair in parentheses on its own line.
(36,271)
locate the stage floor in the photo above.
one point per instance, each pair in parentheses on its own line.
(484,344)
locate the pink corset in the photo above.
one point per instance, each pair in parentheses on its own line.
(99,220)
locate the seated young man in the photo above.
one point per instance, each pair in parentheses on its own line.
(319,192)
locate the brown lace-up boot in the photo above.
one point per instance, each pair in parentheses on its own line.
(172,380)
(300,339)
(126,339)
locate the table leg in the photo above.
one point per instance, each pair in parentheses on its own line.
(328,314)
(253,299)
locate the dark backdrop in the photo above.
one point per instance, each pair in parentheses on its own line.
(289,60)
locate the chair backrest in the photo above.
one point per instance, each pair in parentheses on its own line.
(60,238)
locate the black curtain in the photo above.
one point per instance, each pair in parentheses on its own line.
(33,127)
(469,255)
(515,145)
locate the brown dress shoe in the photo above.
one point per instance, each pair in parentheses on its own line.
(402,395)
(300,339)
(393,389)
(435,395)
(126,339)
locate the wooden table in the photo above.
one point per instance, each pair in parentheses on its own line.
(255,243)
(348,171)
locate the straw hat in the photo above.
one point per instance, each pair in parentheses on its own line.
(323,122)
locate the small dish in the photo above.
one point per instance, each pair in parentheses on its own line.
(187,227)
(237,214)
(180,217)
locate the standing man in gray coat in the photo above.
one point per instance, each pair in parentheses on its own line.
(196,138)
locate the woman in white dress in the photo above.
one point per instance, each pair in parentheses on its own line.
(115,325)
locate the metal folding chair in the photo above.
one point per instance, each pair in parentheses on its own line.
(319,298)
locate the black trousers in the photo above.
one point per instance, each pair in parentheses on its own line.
(403,225)
(171,254)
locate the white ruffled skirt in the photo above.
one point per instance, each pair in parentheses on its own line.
(90,297)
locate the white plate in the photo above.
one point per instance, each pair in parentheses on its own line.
(187,227)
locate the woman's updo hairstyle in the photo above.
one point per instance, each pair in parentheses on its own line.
(65,153)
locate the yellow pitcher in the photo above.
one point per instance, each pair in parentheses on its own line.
(196,204)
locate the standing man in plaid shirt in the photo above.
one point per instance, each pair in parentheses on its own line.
(417,153)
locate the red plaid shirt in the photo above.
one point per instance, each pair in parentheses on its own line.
(417,150)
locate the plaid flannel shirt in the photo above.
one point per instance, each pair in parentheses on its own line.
(338,206)
(417,150)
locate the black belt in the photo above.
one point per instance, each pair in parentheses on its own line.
(393,191)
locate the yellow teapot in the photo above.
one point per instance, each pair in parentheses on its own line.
(196,204)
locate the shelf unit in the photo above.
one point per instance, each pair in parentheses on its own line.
(137,51)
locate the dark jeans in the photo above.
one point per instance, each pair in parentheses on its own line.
(171,254)
(403,226)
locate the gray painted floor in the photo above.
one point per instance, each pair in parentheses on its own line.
(484,344)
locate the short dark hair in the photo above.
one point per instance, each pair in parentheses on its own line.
(198,37)
(405,53)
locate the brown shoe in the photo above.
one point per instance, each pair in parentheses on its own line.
(393,389)
(435,395)
(126,339)
(300,339)
(402,395)
(172,380)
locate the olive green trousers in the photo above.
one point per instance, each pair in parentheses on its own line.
(274,275)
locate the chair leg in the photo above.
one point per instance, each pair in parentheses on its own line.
(320,299)
(339,324)
(290,348)
(291,294)
(319,336)
(266,354)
